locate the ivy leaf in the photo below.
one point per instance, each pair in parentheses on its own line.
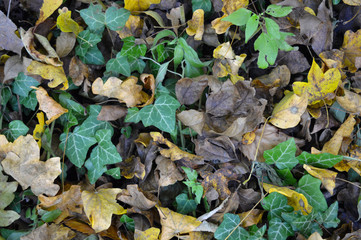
(310,188)
(22,84)
(322,160)
(93,56)
(278,11)
(16,129)
(184,204)
(283,155)
(206,5)
(132,115)
(305,224)
(276,204)
(161,114)
(86,40)
(30,101)
(93,17)
(103,154)
(129,222)
(115,18)
(278,229)
(132,50)
(329,217)
(230,221)
(119,65)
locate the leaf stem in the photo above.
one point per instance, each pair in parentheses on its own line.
(51,134)
(175,73)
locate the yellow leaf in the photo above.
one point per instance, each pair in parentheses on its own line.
(229,6)
(174,153)
(39,128)
(52,109)
(196,25)
(174,224)
(297,200)
(99,206)
(144,139)
(48,7)
(221,26)
(22,162)
(248,138)
(350,101)
(56,75)
(352,2)
(139,5)
(319,84)
(327,177)
(352,48)
(288,111)
(251,217)
(65,23)
(224,51)
(149,234)
(133,27)
(127,91)
(315,236)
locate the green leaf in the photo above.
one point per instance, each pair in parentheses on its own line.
(50,216)
(161,73)
(131,50)
(206,5)
(272,28)
(129,222)
(251,26)
(322,160)
(191,55)
(283,155)
(178,55)
(103,154)
(192,174)
(278,11)
(21,85)
(137,65)
(114,172)
(239,17)
(279,230)
(161,114)
(257,234)
(329,217)
(276,204)
(132,115)
(30,101)
(86,40)
(5,95)
(184,204)
(119,65)
(310,187)
(267,46)
(163,34)
(116,18)
(338,112)
(93,56)
(16,129)
(305,224)
(93,17)
(230,221)
(287,176)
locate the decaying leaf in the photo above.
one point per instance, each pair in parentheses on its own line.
(196,25)
(66,24)
(350,101)
(189,90)
(278,78)
(6,197)
(99,206)
(55,75)
(65,43)
(139,5)
(174,223)
(39,128)
(219,181)
(53,231)
(351,47)
(149,234)
(168,172)
(327,177)
(52,109)
(78,71)
(48,7)
(251,217)
(136,198)
(111,113)
(193,119)
(9,40)
(133,27)
(22,163)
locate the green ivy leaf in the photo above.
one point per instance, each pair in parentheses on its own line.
(86,40)
(21,85)
(239,17)
(272,28)
(119,65)
(230,221)
(6,94)
(93,56)
(132,50)
(161,114)
(114,173)
(276,204)
(322,160)
(30,101)
(132,115)
(251,26)
(129,222)
(115,18)
(305,224)
(16,129)
(283,155)
(279,230)
(310,187)
(206,5)
(287,176)
(184,204)
(137,65)
(329,217)
(257,233)
(278,11)
(93,17)
(103,154)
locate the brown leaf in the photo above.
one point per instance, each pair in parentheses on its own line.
(219,181)
(65,43)
(85,228)
(78,71)
(193,119)
(350,101)
(189,90)
(136,198)
(9,40)
(167,171)
(322,41)
(149,84)
(54,231)
(131,167)
(133,27)
(111,113)
(220,149)
(295,61)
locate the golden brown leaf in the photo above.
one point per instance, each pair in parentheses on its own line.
(139,5)
(196,25)
(219,181)
(39,128)
(54,232)
(133,27)
(251,217)
(327,177)
(52,109)
(131,167)
(352,48)
(149,84)
(350,101)
(48,7)
(55,75)
(149,234)
(168,172)
(229,6)
(136,198)
(193,119)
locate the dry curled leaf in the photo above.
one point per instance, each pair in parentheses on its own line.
(136,198)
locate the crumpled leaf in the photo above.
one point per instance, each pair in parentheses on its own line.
(48,7)
(56,75)
(131,167)
(99,206)
(287,113)
(9,40)
(189,90)
(139,5)
(23,164)
(319,84)
(135,197)
(193,119)
(6,197)
(133,27)
(278,78)
(53,231)
(351,47)
(127,91)
(78,71)
(327,177)
(168,173)
(69,202)
(196,25)
(174,223)
(66,24)
(296,200)
(52,109)
(219,181)
(149,234)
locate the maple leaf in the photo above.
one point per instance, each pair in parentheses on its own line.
(99,206)
(196,25)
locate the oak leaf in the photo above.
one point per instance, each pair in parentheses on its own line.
(48,7)
(196,25)
(327,177)
(99,206)
(55,75)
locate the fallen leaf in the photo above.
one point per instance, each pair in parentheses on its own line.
(149,84)
(220,149)
(7,217)
(193,119)
(287,113)
(350,101)
(111,113)
(219,181)
(53,231)
(85,228)
(55,75)
(297,200)
(65,44)
(174,224)
(39,128)
(131,167)
(327,177)
(149,234)
(133,27)
(221,26)
(139,5)
(6,197)
(251,217)
(136,198)
(352,2)
(167,172)
(9,40)
(99,206)
(351,47)
(78,71)
(278,78)
(52,109)
(66,24)
(315,236)
(23,164)
(189,90)
(48,7)
(196,25)
(69,202)
(319,84)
